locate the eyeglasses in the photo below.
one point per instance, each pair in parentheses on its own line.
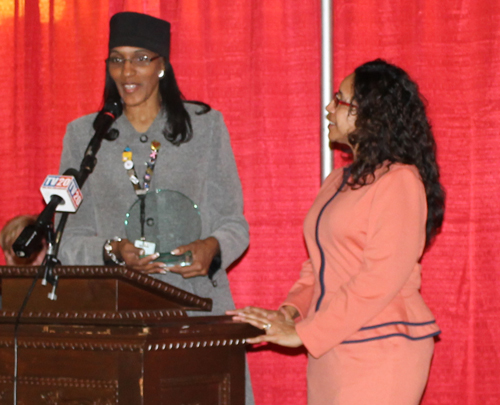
(137,61)
(337,100)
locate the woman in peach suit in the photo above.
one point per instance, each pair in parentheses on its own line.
(356,306)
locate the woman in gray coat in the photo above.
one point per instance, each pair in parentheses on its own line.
(195,159)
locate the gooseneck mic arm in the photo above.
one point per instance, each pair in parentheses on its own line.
(32,236)
(102,125)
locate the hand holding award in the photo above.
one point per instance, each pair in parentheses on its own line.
(161,221)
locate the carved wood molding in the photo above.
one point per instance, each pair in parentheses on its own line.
(145,280)
(136,347)
(92,316)
(58,398)
(195,344)
(65,390)
(53,345)
(70,382)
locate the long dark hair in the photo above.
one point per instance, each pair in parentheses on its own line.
(178,129)
(391,125)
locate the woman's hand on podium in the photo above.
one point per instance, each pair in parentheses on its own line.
(278,325)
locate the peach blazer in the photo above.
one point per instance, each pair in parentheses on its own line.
(362,280)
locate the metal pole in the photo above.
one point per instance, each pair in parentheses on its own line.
(326,83)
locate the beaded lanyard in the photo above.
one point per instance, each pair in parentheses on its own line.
(141,192)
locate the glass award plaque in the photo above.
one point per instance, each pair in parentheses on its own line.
(162,220)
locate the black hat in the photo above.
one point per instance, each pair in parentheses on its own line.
(140,30)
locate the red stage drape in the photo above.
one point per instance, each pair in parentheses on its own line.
(258,62)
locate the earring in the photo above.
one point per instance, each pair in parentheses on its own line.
(161,74)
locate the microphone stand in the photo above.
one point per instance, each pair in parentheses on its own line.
(102,124)
(50,261)
(44,227)
(87,166)
(46,223)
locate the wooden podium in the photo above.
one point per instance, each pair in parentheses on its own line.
(115,336)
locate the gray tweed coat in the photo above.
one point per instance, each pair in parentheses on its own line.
(203,169)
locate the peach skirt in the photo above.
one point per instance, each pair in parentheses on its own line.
(391,371)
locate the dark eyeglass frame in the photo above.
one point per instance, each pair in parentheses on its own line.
(338,101)
(135,61)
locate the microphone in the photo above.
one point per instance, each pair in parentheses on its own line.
(109,113)
(31,238)
(102,124)
(61,193)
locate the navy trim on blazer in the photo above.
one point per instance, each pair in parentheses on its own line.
(347,172)
(392,335)
(398,323)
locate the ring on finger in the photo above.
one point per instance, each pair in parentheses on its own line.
(266,326)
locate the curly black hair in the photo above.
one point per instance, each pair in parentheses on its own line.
(392,126)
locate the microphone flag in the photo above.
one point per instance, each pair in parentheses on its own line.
(65,187)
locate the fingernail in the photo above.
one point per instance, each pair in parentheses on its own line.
(141,252)
(156,255)
(175,252)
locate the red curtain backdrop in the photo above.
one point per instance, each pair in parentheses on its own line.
(258,62)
